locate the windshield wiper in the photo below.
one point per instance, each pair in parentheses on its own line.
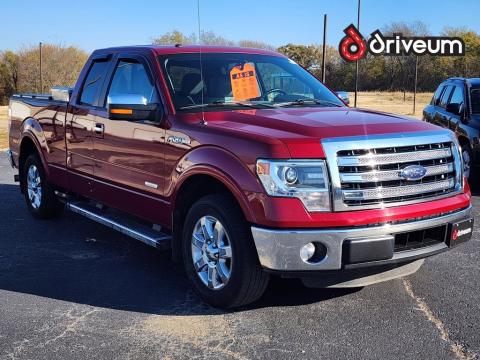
(220,103)
(307,102)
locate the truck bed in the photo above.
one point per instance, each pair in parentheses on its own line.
(41,118)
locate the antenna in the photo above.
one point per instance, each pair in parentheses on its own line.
(200,55)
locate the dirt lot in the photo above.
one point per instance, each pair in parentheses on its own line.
(3,127)
(392,102)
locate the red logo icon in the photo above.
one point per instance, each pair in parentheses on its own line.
(353,46)
(455,234)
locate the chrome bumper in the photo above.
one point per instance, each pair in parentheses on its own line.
(280,249)
(11,158)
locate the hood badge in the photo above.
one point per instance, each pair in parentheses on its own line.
(413,172)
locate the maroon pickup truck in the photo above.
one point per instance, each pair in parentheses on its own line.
(244,165)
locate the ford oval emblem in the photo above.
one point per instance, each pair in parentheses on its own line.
(413,172)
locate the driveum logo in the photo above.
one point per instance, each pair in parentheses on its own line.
(353,45)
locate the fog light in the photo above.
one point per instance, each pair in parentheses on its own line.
(307,251)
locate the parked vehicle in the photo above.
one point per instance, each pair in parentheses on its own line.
(456,106)
(192,149)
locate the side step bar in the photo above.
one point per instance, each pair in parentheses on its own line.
(124,225)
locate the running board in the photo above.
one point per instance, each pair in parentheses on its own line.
(125,225)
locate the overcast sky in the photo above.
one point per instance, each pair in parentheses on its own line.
(95,24)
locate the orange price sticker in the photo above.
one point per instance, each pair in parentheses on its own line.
(244,82)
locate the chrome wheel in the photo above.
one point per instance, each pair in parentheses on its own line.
(466,163)
(34,187)
(211,252)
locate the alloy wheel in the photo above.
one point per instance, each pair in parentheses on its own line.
(34,186)
(211,252)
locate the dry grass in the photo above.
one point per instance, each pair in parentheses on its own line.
(392,102)
(3,127)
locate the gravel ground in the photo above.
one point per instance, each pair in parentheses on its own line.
(72,289)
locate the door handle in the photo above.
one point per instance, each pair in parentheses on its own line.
(99,128)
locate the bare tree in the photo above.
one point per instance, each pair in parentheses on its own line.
(60,66)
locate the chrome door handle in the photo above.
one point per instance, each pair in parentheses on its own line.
(99,128)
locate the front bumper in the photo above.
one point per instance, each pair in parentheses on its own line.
(279,250)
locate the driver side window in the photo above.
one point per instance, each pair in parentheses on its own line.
(131,78)
(457,96)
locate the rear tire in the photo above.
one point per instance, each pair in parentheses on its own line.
(39,195)
(219,255)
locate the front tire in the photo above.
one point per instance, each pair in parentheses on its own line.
(218,254)
(39,195)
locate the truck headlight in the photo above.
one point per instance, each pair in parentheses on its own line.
(306,180)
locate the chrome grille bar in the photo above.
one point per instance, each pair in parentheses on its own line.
(391,175)
(364,170)
(397,191)
(402,157)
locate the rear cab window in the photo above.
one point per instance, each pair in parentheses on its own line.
(93,83)
(437,95)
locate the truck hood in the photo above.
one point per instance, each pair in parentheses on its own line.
(302,129)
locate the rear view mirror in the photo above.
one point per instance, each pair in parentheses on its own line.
(132,107)
(454,108)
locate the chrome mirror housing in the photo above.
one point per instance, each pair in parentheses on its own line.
(131,99)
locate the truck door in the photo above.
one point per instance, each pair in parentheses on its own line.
(129,155)
(80,122)
(430,109)
(441,115)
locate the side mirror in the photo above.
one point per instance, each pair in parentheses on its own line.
(132,107)
(454,108)
(343,95)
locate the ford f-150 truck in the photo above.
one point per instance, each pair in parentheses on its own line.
(244,165)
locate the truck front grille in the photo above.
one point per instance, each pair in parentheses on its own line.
(366,173)
(372,176)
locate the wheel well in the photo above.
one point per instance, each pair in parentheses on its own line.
(27,147)
(190,191)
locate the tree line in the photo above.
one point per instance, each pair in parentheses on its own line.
(61,65)
(20,71)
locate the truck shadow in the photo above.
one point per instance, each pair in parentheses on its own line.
(76,260)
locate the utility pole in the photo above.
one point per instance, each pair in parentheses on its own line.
(324,47)
(415,85)
(41,79)
(356,63)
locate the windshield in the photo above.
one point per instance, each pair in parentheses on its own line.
(233,80)
(475,99)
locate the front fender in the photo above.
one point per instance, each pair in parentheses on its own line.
(223,166)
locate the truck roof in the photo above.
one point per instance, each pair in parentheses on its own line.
(472,81)
(178,49)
